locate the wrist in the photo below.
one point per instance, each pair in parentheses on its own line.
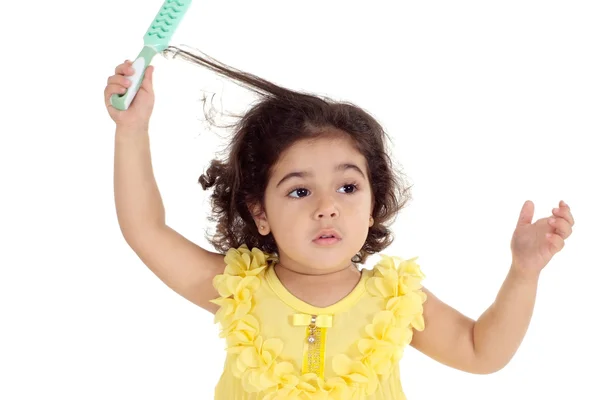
(131,129)
(523,275)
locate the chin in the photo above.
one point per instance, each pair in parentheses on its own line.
(328,258)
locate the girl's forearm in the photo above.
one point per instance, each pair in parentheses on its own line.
(137,198)
(499,331)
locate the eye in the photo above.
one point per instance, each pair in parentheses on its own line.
(301,192)
(349,188)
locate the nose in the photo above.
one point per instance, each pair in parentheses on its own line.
(326,209)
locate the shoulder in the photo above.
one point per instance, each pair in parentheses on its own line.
(242,261)
(243,267)
(395,271)
(399,282)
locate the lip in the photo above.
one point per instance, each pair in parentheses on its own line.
(327,232)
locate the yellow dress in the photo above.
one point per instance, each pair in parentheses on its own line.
(281,348)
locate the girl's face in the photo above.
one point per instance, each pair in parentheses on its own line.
(318,186)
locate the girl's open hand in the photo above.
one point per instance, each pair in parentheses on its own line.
(534,244)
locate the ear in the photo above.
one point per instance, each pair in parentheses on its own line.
(260,218)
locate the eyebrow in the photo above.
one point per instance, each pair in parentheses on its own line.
(304,174)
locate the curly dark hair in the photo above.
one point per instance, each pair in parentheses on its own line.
(279,119)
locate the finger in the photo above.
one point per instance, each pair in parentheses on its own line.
(147,82)
(564,213)
(124,69)
(561,227)
(118,80)
(526,214)
(112,89)
(556,242)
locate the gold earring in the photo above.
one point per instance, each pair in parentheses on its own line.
(371,221)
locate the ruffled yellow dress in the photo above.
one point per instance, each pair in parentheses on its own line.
(281,348)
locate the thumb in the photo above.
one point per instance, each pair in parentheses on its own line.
(147,82)
(526,213)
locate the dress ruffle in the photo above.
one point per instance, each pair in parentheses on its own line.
(257,360)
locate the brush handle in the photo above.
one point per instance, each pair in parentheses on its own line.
(122,101)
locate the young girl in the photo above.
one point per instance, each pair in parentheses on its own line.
(305,196)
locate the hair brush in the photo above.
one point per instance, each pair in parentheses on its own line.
(156,40)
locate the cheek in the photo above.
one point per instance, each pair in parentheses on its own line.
(289,227)
(282,214)
(358,205)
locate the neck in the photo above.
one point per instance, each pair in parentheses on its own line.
(313,277)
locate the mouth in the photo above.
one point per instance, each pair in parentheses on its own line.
(327,236)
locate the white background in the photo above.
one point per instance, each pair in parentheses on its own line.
(489,104)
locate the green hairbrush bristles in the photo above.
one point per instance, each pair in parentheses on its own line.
(156,40)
